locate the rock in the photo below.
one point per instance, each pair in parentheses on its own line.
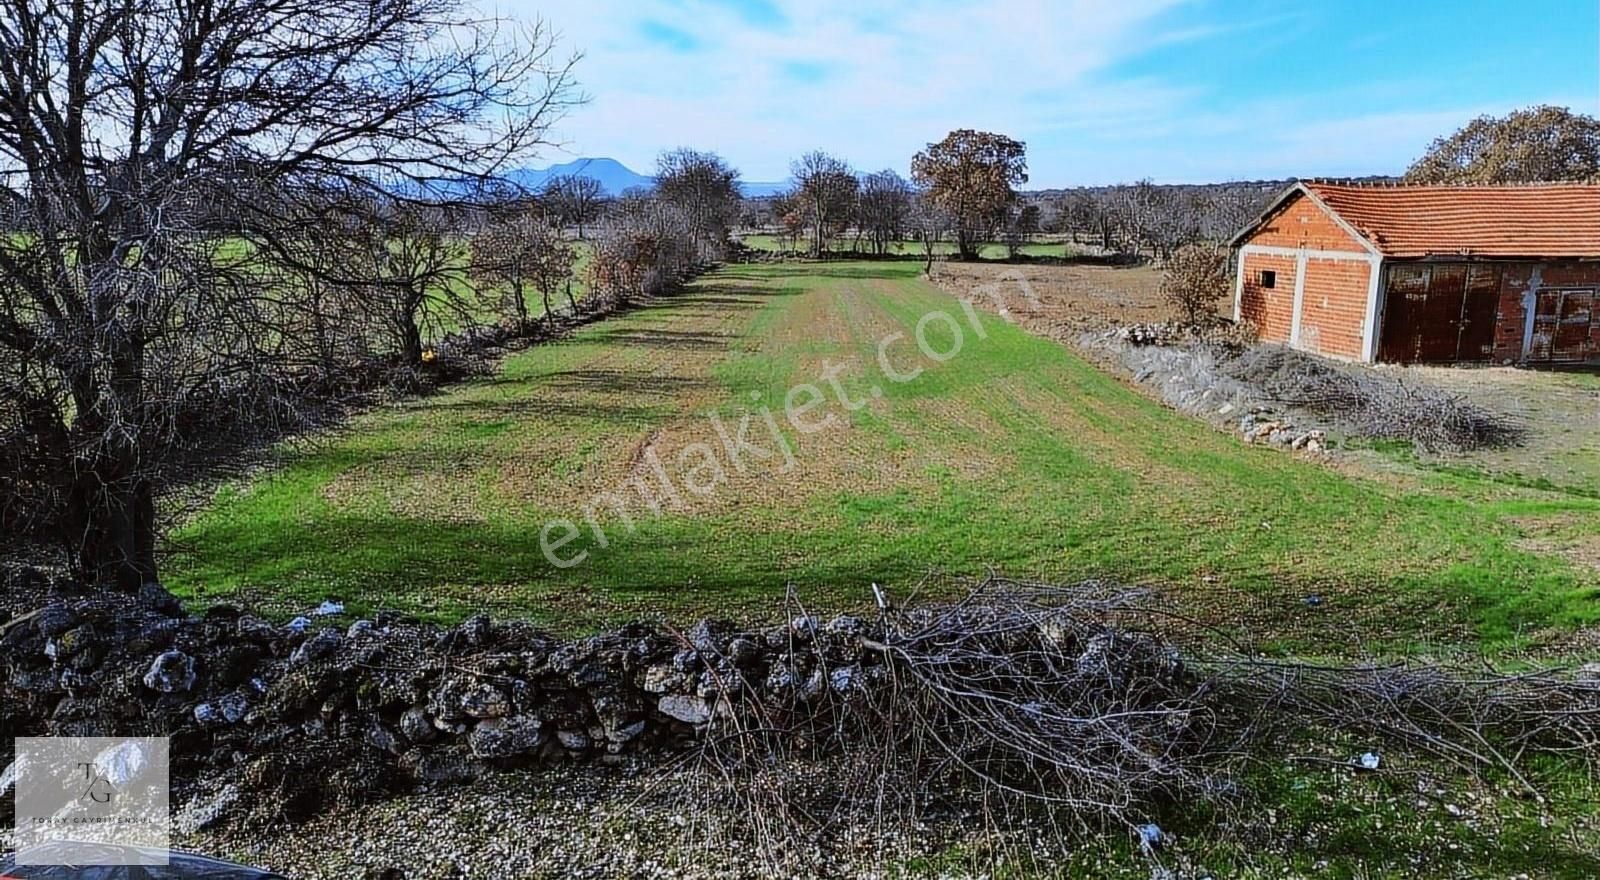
(440,766)
(625,733)
(804,626)
(416,726)
(206,810)
(1369,761)
(383,739)
(358,629)
(505,737)
(170,673)
(8,777)
(484,700)
(1151,837)
(743,652)
(328,608)
(71,643)
(248,626)
(705,638)
(228,709)
(575,740)
(156,598)
(298,625)
(663,678)
(846,625)
(477,631)
(689,710)
(318,647)
(845,679)
(54,620)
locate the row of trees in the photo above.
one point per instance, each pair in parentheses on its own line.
(215,237)
(963,186)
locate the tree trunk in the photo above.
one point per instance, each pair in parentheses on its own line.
(111,522)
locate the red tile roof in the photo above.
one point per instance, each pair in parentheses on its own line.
(1547,220)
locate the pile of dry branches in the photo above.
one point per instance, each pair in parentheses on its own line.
(1373,404)
(1027,705)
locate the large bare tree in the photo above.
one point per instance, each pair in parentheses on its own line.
(706,189)
(825,191)
(885,205)
(166,156)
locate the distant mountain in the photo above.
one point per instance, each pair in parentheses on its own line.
(615,178)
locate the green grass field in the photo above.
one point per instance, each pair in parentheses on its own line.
(847,246)
(1013,454)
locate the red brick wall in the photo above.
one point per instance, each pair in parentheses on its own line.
(1302,224)
(1518,279)
(1335,307)
(1272,311)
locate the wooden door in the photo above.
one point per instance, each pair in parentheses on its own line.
(1563,325)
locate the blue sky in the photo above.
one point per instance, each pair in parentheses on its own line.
(1101,90)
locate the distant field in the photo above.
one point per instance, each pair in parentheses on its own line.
(1014,454)
(990,251)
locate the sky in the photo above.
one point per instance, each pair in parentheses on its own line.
(1102,91)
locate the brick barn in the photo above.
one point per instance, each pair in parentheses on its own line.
(1426,274)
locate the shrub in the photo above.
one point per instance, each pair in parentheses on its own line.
(1197,278)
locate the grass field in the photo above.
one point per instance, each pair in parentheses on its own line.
(990,251)
(1014,454)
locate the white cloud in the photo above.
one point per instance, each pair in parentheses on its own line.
(894,78)
(880,79)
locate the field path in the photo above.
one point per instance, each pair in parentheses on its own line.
(1013,454)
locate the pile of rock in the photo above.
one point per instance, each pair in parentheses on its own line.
(302,713)
(1262,425)
(1152,334)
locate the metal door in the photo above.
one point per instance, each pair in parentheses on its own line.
(1563,324)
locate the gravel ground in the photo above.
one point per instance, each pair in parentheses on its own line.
(627,820)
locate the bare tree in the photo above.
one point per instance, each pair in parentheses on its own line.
(523,252)
(932,224)
(885,205)
(825,190)
(705,188)
(167,156)
(575,199)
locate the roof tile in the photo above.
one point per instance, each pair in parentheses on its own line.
(1547,220)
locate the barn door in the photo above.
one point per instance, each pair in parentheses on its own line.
(1439,314)
(1405,304)
(1479,306)
(1562,325)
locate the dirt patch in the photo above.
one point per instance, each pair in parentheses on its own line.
(1061,302)
(1571,535)
(1560,412)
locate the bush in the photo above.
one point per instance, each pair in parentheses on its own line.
(1197,278)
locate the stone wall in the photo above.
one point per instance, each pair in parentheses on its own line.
(312,711)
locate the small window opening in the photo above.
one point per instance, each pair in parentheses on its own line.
(1269,279)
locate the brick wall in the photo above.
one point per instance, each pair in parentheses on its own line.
(1333,314)
(1518,279)
(1302,224)
(1271,310)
